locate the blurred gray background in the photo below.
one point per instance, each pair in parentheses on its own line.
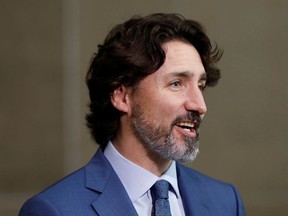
(45,50)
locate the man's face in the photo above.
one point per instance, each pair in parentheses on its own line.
(168,105)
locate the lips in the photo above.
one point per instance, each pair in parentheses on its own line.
(186,125)
(190,123)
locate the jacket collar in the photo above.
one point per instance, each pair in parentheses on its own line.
(195,199)
(101,178)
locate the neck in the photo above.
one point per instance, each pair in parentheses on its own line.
(133,150)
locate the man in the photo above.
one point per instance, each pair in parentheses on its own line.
(145,84)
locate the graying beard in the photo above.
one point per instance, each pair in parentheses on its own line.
(167,149)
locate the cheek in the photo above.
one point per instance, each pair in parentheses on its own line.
(165,111)
(160,108)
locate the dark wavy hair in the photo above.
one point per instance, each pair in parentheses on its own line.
(131,51)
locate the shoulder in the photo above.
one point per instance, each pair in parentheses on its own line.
(73,194)
(191,174)
(215,186)
(67,192)
(223,195)
(71,184)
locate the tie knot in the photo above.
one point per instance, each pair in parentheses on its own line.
(160,190)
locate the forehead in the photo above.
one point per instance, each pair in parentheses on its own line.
(181,57)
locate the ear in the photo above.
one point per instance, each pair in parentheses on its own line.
(120,99)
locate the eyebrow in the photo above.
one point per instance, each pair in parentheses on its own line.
(186,74)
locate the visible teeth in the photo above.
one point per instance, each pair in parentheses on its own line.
(186,124)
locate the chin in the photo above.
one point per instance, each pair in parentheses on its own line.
(184,152)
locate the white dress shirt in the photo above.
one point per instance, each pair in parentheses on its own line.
(137,181)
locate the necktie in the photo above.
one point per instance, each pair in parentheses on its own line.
(159,193)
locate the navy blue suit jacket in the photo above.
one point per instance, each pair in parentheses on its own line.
(96,190)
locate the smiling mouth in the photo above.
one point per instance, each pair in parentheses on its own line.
(189,125)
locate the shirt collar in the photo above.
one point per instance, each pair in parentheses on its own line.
(135,179)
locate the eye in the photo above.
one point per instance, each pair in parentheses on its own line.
(177,84)
(202,87)
(202,83)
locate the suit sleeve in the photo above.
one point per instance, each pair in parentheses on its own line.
(37,206)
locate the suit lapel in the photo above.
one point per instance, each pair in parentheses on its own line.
(195,200)
(112,198)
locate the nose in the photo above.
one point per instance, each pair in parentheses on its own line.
(195,102)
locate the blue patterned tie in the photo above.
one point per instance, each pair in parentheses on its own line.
(159,193)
